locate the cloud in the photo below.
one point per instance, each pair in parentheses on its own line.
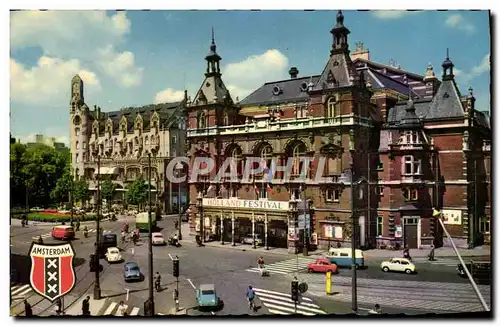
(393,14)
(243,77)
(169,95)
(49,81)
(482,67)
(89,36)
(458,21)
(120,66)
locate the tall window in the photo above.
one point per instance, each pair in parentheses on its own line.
(411,137)
(333,166)
(202,120)
(84,145)
(411,165)
(295,192)
(380,225)
(233,191)
(77,145)
(236,161)
(484,225)
(226,119)
(174,139)
(410,194)
(298,150)
(77,132)
(333,107)
(266,153)
(262,192)
(76,158)
(301,111)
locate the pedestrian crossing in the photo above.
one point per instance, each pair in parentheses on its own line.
(282,304)
(440,261)
(114,309)
(49,234)
(419,295)
(19,291)
(286,266)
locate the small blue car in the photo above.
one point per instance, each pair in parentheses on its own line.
(132,272)
(206,297)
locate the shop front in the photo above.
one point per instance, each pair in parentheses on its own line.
(236,221)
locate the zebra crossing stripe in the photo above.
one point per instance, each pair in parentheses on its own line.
(285,266)
(135,311)
(15,290)
(257,270)
(110,309)
(282,303)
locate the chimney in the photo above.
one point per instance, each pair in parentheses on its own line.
(293,72)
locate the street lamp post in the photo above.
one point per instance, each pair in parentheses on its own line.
(179,169)
(149,304)
(97,285)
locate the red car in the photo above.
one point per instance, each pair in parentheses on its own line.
(63,232)
(321,265)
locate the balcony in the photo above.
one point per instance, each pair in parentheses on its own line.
(286,125)
(412,178)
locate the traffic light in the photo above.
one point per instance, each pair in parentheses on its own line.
(176,267)
(295,290)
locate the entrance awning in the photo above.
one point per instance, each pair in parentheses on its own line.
(107,170)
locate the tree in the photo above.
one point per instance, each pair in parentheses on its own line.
(34,173)
(137,192)
(107,191)
(81,191)
(63,188)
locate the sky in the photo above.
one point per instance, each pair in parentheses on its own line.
(133,58)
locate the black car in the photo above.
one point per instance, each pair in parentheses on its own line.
(480,271)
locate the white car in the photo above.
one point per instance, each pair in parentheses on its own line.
(113,255)
(158,239)
(398,265)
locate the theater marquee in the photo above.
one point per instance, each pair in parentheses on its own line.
(242,203)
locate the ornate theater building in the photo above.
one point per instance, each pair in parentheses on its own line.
(396,146)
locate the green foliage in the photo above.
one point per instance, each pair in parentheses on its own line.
(137,192)
(34,173)
(63,188)
(57,218)
(81,191)
(107,189)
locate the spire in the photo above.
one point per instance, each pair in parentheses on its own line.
(447,66)
(213,59)
(339,32)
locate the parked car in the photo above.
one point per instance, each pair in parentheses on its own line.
(63,232)
(113,255)
(322,265)
(206,297)
(157,239)
(479,270)
(131,272)
(342,257)
(249,239)
(398,265)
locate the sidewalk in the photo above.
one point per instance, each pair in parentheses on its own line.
(372,253)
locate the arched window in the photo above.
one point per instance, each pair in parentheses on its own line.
(235,154)
(146,141)
(202,120)
(296,151)
(266,153)
(77,132)
(333,107)
(77,145)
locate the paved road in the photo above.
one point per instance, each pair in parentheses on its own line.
(231,271)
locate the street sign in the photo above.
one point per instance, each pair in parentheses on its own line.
(303,287)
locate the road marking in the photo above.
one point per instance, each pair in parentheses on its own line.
(159,313)
(135,311)
(279,294)
(19,289)
(194,287)
(171,258)
(213,313)
(119,311)
(110,308)
(282,303)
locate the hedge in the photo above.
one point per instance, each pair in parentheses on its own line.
(54,218)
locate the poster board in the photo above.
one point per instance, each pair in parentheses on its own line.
(399,231)
(292,236)
(452,216)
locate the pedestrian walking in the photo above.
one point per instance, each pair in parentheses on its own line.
(28,312)
(122,309)
(58,306)
(431,254)
(86,306)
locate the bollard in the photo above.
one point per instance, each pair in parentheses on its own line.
(128,290)
(176,305)
(329,282)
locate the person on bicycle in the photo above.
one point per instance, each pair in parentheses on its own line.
(157,281)
(250,296)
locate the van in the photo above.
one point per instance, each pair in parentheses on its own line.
(342,257)
(107,241)
(63,232)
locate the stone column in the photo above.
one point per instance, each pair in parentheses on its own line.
(232,229)
(253,231)
(265,231)
(221,229)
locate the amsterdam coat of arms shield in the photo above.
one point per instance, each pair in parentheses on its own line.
(52,273)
